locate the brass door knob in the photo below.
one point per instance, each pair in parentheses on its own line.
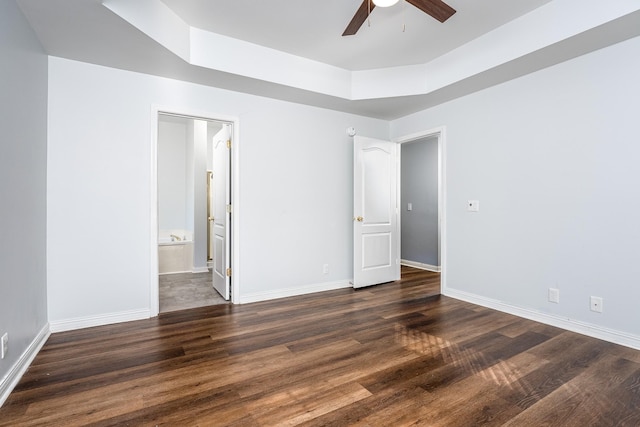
(359,219)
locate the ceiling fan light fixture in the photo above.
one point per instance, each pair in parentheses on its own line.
(384,3)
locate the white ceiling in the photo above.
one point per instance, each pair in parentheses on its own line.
(485,43)
(313,29)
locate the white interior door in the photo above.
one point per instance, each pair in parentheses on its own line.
(376,226)
(221,216)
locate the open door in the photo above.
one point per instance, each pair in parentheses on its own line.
(221,214)
(376,230)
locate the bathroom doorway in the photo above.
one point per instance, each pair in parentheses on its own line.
(193,161)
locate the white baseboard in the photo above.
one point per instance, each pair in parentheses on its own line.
(194,270)
(291,292)
(175,272)
(591,330)
(17,371)
(421,266)
(100,320)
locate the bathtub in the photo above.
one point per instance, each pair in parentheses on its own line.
(175,251)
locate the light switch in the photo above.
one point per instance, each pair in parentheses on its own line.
(409,206)
(473,205)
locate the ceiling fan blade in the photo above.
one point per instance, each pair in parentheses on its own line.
(359,18)
(436,8)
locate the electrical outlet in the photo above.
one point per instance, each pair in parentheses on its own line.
(325,269)
(4,345)
(473,205)
(554,295)
(596,304)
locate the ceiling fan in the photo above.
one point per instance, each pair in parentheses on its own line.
(436,8)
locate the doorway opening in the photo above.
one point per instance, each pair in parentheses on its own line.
(422,201)
(192,211)
(378,206)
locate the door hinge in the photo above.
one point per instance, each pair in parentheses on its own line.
(228,272)
(229,209)
(228,143)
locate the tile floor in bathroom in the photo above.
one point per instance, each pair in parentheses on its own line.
(187,290)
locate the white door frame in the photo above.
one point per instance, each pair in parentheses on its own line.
(154,302)
(440,134)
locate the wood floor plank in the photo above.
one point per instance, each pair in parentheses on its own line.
(381,408)
(584,400)
(622,404)
(562,369)
(286,410)
(394,354)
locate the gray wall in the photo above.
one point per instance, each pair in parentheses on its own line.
(23,169)
(419,183)
(553,159)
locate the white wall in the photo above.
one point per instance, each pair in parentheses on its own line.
(23,168)
(553,159)
(295,189)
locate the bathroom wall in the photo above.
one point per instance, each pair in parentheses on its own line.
(199,191)
(172,174)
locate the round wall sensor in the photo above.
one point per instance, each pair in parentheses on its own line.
(351,131)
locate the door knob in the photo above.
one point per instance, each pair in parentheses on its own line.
(210,218)
(359,219)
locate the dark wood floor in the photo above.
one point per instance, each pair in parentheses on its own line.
(391,355)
